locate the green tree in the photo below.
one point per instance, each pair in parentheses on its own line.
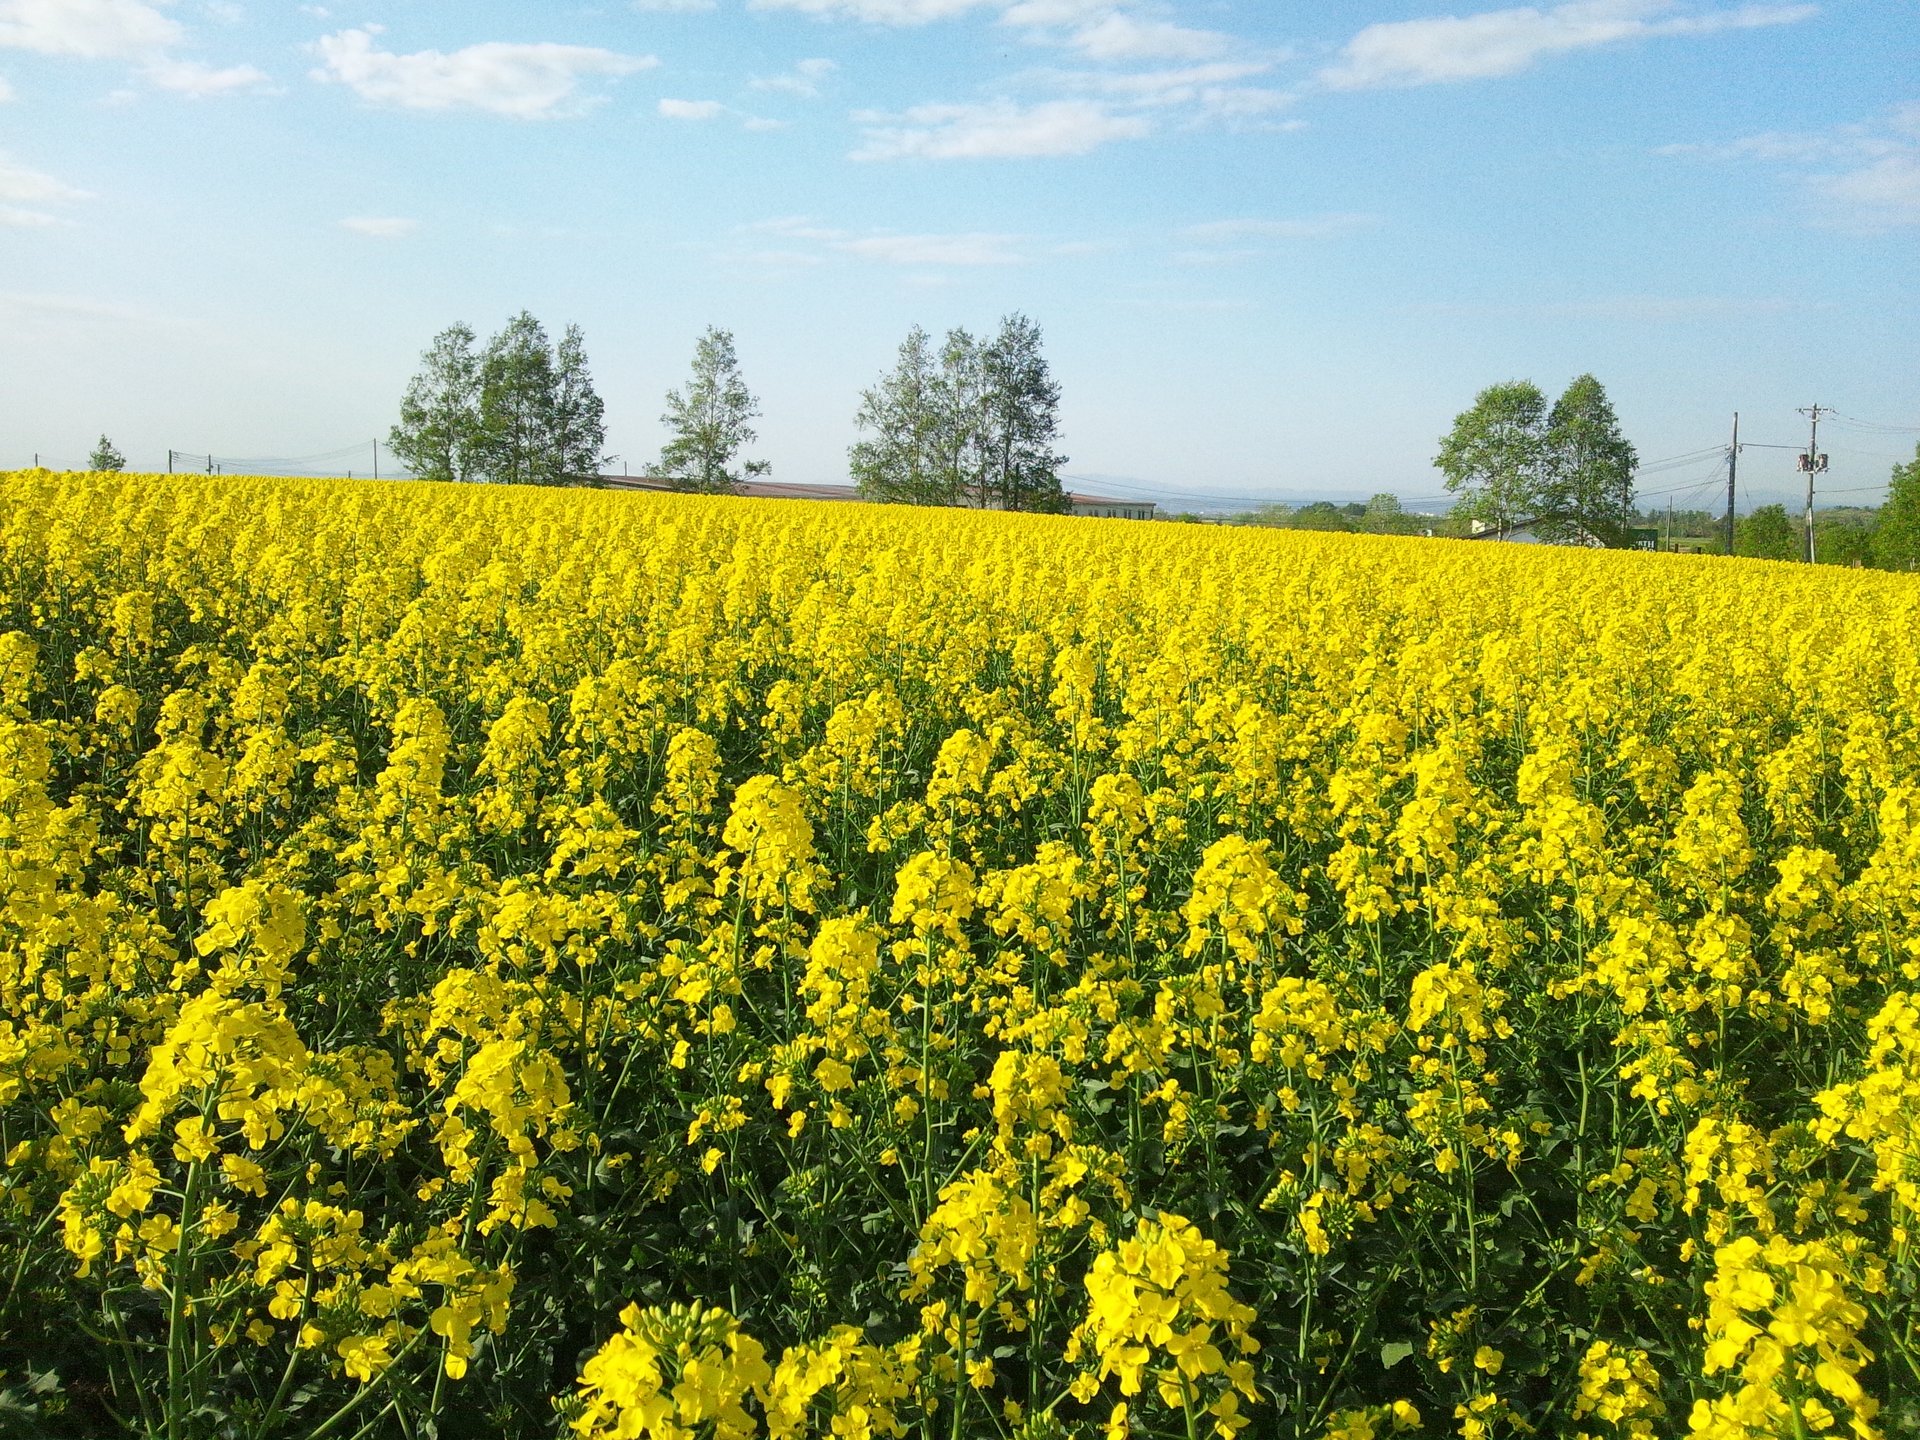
(439,434)
(959,399)
(578,416)
(517,384)
(1896,534)
(1841,540)
(1767,534)
(1586,482)
(1276,515)
(1020,421)
(1495,456)
(709,421)
(1384,515)
(106,457)
(901,462)
(1320,515)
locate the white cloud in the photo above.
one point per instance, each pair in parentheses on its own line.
(20,184)
(1250,107)
(1879,195)
(1505,42)
(1162,87)
(671,7)
(1000,129)
(524,82)
(87,29)
(192,78)
(1121,37)
(1052,13)
(226,12)
(380,227)
(803,80)
(1863,177)
(23,191)
(692,109)
(878,12)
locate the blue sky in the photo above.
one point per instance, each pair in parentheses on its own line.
(1274,247)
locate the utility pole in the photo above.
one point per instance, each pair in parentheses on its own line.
(1814,463)
(1669,524)
(376,459)
(1733,459)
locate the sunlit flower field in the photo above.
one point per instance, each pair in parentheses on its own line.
(487,961)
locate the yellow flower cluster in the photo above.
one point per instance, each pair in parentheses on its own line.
(467,952)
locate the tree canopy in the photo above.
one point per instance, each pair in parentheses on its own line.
(521,411)
(975,425)
(709,421)
(1767,534)
(1896,536)
(106,456)
(1568,469)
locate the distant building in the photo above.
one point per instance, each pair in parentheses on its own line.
(1094,505)
(1109,509)
(1527,532)
(756,489)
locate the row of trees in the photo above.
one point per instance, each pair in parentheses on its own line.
(1381,515)
(1565,469)
(518,411)
(1887,537)
(974,423)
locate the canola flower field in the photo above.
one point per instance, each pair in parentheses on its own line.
(482,961)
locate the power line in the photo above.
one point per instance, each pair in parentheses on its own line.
(326,464)
(1874,424)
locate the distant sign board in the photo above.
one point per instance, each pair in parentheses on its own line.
(1648,539)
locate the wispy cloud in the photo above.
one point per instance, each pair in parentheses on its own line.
(519,81)
(1661,309)
(86,29)
(1863,177)
(380,227)
(934,250)
(1206,72)
(804,80)
(692,109)
(64,309)
(1123,37)
(24,192)
(1302,227)
(198,81)
(797,240)
(1234,242)
(999,129)
(1212,93)
(671,7)
(1446,48)
(879,12)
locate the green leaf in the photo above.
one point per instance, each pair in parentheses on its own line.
(1393,1352)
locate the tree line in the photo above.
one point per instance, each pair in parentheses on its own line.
(974,423)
